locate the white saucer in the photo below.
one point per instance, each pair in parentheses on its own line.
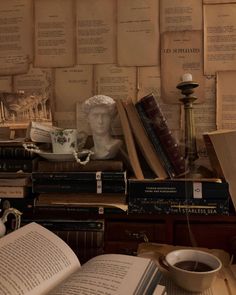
(61,157)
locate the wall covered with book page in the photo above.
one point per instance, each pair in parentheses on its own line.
(68,50)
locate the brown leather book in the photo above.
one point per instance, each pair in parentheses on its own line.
(160,135)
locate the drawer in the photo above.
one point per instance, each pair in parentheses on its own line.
(135,231)
(216,236)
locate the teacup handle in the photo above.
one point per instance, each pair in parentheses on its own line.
(163,263)
(75,153)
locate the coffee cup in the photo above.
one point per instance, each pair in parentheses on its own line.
(67,141)
(192,270)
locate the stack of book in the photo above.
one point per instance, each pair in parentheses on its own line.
(99,186)
(16,166)
(145,124)
(14,157)
(180,196)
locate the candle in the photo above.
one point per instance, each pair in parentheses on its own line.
(187,77)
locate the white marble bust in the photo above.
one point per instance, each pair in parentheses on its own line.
(100,110)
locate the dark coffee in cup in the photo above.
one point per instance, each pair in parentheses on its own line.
(191,265)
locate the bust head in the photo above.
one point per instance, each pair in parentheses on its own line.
(100,109)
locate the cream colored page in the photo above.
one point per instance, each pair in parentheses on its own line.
(219,38)
(16,23)
(109,274)
(138,41)
(96,31)
(33,261)
(224,145)
(218,1)
(54,33)
(116,82)
(226,100)
(205,116)
(181,53)
(5,84)
(149,80)
(180,15)
(37,87)
(72,86)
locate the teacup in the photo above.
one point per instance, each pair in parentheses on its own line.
(192,270)
(67,141)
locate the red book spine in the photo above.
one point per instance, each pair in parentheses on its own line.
(162,131)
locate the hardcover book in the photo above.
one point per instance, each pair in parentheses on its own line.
(14,165)
(14,191)
(146,147)
(80,175)
(160,135)
(179,206)
(67,166)
(178,189)
(129,140)
(83,202)
(58,270)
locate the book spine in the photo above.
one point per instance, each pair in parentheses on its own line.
(12,192)
(214,207)
(155,141)
(79,176)
(10,152)
(178,189)
(9,165)
(100,210)
(68,166)
(161,130)
(80,187)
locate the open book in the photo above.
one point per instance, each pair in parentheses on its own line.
(35,261)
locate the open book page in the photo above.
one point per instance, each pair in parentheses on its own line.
(112,274)
(54,33)
(33,261)
(16,36)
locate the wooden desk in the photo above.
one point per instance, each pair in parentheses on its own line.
(123,233)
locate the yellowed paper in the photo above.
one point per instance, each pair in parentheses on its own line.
(149,80)
(224,145)
(180,15)
(54,33)
(226,100)
(37,86)
(116,82)
(5,84)
(218,1)
(219,38)
(72,85)
(96,31)
(181,53)
(138,32)
(16,23)
(205,117)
